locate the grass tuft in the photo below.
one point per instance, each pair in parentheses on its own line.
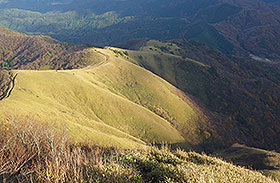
(32,153)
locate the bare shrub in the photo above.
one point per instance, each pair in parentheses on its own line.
(30,152)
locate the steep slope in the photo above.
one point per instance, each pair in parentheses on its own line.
(255,29)
(112,102)
(235,90)
(19,51)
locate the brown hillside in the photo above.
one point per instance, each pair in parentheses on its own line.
(19,51)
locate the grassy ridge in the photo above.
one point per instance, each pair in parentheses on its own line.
(112,103)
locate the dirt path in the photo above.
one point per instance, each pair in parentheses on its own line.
(99,63)
(106,56)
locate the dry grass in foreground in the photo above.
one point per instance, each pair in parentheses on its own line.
(32,153)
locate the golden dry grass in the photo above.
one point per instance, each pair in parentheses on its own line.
(36,153)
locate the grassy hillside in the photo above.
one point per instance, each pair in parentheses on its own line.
(113,102)
(220,84)
(163,59)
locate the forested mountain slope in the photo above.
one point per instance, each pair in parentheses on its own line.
(19,51)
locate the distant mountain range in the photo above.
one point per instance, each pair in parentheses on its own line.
(238,27)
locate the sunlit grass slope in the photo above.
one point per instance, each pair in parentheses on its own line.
(151,57)
(112,103)
(164,60)
(150,91)
(160,57)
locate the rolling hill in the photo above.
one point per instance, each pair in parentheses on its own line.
(204,110)
(109,102)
